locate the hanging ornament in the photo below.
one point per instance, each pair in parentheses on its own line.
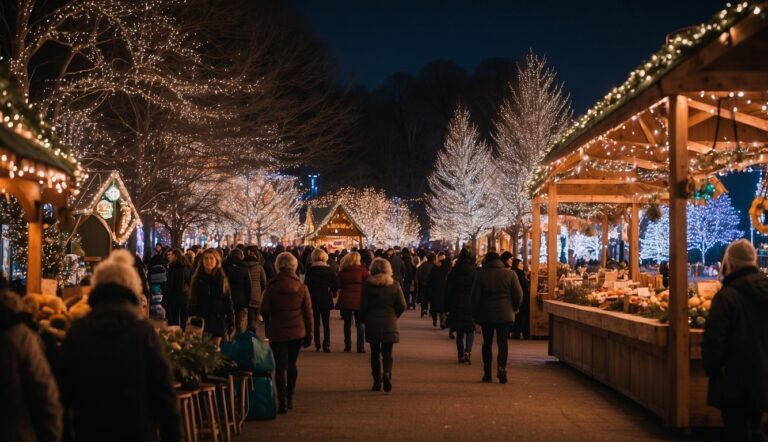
(759,208)
(707,190)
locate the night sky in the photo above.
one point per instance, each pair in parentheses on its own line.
(592,45)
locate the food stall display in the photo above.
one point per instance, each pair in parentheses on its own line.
(694,109)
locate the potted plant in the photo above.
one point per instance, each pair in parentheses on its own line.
(192,356)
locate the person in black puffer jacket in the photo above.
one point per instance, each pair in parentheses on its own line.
(522,327)
(459,304)
(734,349)
(177,288)
(115,377)
(323,283)
(240,287)
(210,297)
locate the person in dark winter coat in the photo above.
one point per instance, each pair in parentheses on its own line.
(323,283)
(398,266)
(409,274)
(352,275)
(115,377)
(239,286)
(459,304)
(289,306)
(423,275)
(734,349)
(366,258)
(253,262)
(177,288)
(437,283)
(496,296)
(30,409)
(382,303)
(210,297)
(521,327)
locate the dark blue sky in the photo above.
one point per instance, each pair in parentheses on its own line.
(592,44)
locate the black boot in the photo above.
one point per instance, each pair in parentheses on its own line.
(468,358)
(387,382)
(376,385)
(451,335)
(487,377)
(501,373)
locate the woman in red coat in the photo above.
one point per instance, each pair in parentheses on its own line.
(352,275)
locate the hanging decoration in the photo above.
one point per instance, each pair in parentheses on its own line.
(759,208)
(708,190)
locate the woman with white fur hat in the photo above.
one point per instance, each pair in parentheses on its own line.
(735,344)
(115,378)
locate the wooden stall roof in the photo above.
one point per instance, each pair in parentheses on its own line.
(618,152)
(318,217)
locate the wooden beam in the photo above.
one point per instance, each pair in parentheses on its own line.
(552,238)
(34,256)
(694,146)
(646,131)
(535,258)
(679,346)
(607,199)
(742,118)
(699,117)
(634,242)
(717,81)
(604,241)
(639,162)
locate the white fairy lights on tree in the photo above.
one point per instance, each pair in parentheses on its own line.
(654,243)
(385,221)
(534,114)
(262,204)
(464,198)
(583,246)
(713,224)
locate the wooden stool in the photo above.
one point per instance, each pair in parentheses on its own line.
(207,406)
(187,410)
(225,404)
(244,381)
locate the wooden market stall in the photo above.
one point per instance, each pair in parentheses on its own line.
(35,169)
(105,214)
(696,108)
(332,227)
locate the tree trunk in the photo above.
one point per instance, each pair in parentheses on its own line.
(524,241)
(148,222)
(514,232)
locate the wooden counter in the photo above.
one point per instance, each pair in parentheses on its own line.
(627,353)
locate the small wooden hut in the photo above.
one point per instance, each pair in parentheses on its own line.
(333,227)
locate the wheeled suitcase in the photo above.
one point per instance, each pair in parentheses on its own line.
(262,399)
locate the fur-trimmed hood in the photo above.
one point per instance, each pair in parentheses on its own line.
(380,279)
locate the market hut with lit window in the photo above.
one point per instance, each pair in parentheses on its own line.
(36,170)
(333,227)
(695,109)
(105,215)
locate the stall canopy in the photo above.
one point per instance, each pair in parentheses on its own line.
(105,213)
(695,109)
(332,226)
(34,167)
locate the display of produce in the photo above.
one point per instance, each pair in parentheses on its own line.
(53,314)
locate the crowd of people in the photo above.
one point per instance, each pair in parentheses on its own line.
(111,378)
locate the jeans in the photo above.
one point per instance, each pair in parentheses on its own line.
(347,315)
(286,353)
(177,316)
(253,318)
(743,424)
(502,334)
(325,316)
(436,316)
(241,319)
(381,351)
(464,341)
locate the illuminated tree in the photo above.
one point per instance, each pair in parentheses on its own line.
(654,243)
(530,119)
(403,226)
(713,224)
(464,198)
(262,204)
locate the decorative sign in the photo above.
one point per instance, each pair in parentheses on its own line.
(113,193)
(105,209)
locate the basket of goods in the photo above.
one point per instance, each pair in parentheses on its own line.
(53,314)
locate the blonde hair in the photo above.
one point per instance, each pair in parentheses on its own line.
(286,261)
(350,260)
(319,255)
(381,265)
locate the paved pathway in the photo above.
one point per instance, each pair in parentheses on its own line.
(435,398)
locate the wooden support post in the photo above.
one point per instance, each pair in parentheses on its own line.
(34,257)
(524,245)
(552,237)
(535,248)
(634,242)
(604,241)
(679,346)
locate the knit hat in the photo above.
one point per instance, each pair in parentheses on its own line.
(741,253)
(118,269)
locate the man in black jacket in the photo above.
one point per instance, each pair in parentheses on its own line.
(735,345)
(240,287)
